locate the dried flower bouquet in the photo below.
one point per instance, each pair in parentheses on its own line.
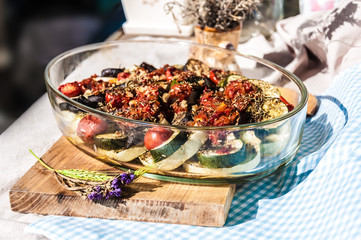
(220,15)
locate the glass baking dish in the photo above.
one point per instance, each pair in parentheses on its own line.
(265,146)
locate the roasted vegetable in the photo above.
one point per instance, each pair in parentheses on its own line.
(111,72)
(223,156)
(197,67)
(111,141)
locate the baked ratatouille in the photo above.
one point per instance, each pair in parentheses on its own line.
(186,95)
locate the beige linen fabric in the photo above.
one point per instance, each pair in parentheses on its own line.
(322,43)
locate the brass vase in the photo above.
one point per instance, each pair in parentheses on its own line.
(225,39)
(212,36)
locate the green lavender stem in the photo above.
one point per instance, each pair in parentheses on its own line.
(141,171)
(77,173)
(85,175)
(41,161)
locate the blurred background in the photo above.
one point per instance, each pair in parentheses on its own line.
(33,32)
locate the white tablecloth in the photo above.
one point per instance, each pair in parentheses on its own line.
(37,130)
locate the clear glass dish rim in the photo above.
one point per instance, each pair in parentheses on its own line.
(95,46)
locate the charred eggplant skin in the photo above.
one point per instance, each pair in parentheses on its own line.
(148,67)
(111,72)
(197,66)
(91,101)
(64,106)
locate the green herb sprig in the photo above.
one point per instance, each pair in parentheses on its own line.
(92,184)
(77,173)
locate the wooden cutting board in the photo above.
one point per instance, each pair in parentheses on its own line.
(39,192)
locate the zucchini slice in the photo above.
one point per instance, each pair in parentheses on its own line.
(111,141)
(267,109)
(196,167)
(123,155)
(231,78)
(267,89)
(250,160)
(223,157)
(169,147)
(182,154)
(273,108)
(235,77)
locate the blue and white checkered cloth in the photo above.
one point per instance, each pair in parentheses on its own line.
(318,196)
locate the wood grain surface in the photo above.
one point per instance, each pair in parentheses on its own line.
(149,200)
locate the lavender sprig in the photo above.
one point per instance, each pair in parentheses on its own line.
(94,185)
(77,173)
(113,189)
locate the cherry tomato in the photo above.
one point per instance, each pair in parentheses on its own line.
(156,136)
(70,89)
(89,126)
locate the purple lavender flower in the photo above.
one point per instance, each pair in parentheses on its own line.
(95,196)
(116,193)
(126,178)
(116,183)
(115,187)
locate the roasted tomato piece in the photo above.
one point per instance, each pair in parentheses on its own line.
(169,73)
(238,88)
(289,105)
(216,75)
(114,99)
(93,85)
(156,136)
(70,89)
(86,84)
(89,126)
(99,85)
(210,101)
(180,91)
(123,76)
(214,111)
(118,99)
